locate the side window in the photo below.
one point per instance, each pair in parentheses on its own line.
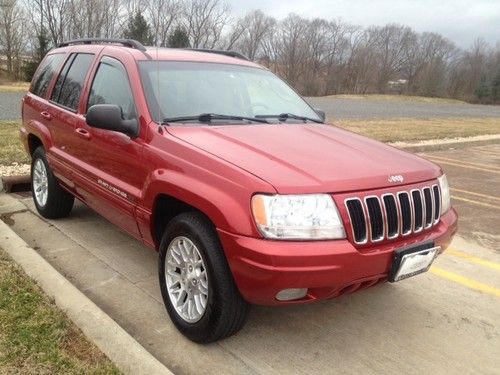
(70,82)
(111,86)
(48,68)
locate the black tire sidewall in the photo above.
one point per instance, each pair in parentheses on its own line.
(220,286)
(181,228)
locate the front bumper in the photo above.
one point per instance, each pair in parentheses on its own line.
(262,268)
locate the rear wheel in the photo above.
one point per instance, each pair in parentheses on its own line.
(196,284)
(51,200)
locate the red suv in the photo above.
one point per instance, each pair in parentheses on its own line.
(230,175)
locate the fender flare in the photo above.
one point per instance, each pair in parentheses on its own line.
(221,207)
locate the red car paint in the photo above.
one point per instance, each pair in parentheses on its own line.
(218,169)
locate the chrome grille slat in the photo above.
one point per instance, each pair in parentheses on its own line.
(437,203)
(375,218)
(406,211)
(392,215)
(357,218)
(418,211)
(428,207)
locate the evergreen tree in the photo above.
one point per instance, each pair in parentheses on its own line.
(495,89)
(138,29)
(483,90)
(178,38)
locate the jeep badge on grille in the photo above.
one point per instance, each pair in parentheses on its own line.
(396,178)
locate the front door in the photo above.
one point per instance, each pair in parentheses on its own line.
(111,173)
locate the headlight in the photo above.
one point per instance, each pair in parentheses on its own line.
(308,217)
(445,194)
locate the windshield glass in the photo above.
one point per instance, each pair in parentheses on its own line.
(183,89)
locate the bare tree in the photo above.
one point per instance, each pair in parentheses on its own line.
(255,27)
(205,21)
(12,37)
(162,15)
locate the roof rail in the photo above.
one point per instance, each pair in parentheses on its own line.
(221,52)
(126,42)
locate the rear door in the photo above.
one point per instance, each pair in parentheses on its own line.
(63,112)
(35,105)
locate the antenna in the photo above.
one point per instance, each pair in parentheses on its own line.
(158,70)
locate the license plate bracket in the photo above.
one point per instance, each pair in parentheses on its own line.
(412,260)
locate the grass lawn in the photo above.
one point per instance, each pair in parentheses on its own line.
(35,336)
(11,149)
(15,87)
(412,130)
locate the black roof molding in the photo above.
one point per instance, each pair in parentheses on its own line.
(221,52)
(131,43)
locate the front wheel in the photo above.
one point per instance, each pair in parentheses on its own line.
(196,284)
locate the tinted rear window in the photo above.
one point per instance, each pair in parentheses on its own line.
(70,82)
(48,68)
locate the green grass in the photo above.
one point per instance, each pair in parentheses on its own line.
(35,336)
(11,148)
(413,130)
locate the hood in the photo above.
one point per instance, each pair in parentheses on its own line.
(307,158)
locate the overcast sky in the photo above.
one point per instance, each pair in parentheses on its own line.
(459,20)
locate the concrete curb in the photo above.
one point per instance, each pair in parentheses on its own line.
(121,348)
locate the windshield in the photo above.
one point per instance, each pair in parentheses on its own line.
(188,89)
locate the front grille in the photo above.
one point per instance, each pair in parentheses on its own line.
(389,216)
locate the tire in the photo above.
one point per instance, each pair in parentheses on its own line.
(51,200)
(225,310)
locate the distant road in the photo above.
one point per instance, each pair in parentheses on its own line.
(10,108)
(10,105)
(372,108)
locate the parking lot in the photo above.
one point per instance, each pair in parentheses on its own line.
(444,321)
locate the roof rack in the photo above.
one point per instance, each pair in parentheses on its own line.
(126,42)
(221,52)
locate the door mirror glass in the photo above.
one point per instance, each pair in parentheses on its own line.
(109,117)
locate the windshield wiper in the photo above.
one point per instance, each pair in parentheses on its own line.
(208,117)
(286,116)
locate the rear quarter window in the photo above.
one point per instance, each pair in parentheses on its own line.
(49,66)
(70,82)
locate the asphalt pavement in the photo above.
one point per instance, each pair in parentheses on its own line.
(338,109)
(10,108)
(10,105)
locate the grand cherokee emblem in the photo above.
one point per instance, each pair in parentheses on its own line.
(396,178)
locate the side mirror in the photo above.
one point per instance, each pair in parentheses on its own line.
(320,113)
(109,117)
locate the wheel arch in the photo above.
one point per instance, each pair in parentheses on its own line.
(181,194)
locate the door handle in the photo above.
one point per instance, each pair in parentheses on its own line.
(46,115)
(82,133)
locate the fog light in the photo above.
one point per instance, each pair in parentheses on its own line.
(291,294)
